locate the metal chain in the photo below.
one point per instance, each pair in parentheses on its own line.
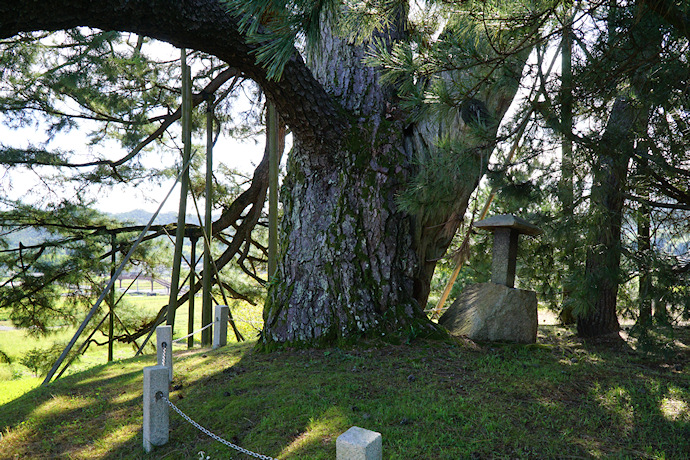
(164,346)
(213,436)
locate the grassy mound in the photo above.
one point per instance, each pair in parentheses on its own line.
(430,400)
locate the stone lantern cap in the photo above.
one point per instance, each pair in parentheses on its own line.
(506,229)
(509,221)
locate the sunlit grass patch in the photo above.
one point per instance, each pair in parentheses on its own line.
(59,404)
(11,389)
(318,433)
(18,343)
(620,410)
(112,438)
(674,406)
(431,400)
(674,409)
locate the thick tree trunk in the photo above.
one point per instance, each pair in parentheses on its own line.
(353,264)
(603,255)
(348,262)
(627,124)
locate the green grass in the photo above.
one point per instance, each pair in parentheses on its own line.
(560,398)
(17,343)
(12,389)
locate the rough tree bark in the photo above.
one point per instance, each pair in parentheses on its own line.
(607,197)
(351,262)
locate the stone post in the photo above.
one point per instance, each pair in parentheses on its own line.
(164,348)
(504,256)
(358,444)
(220,328)
(156,417)
(506,229)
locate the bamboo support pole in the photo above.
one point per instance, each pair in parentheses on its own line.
(190,304)
(436,312)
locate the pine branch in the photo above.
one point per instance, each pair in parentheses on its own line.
(658,204)
(34,156)
(203,25)
(672,14)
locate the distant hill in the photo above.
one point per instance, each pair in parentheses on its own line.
(27,236)
(30,236)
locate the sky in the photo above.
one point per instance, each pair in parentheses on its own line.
(26,184)
(21,183)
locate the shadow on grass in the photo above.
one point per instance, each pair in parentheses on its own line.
(432,400)
(73,415)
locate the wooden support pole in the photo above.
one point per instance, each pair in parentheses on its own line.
(110,285)
(566,185)
(485,210)
(207,277)
(566,96)
(273,167)
(436,312)
(111,323)
(184,186)
(83,346)
(190,304)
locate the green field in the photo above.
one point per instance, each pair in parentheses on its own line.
(16,378)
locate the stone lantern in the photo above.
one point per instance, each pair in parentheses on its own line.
(496,311)
(506,229)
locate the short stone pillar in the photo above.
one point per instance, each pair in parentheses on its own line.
(506,229)
(220,329)
(156,417)
(164,348)
(358,444)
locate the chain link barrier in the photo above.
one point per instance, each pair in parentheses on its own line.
(211,435)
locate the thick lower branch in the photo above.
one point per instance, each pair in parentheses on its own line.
(203,25)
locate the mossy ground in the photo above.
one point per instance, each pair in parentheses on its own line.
(560,398)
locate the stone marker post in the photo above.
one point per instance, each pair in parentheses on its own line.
(156,417)
(358,444)
(220,329)
(164,347)
(506,229)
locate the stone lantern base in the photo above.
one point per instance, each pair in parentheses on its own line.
(489,312)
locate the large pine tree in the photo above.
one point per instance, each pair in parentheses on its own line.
(356,259)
